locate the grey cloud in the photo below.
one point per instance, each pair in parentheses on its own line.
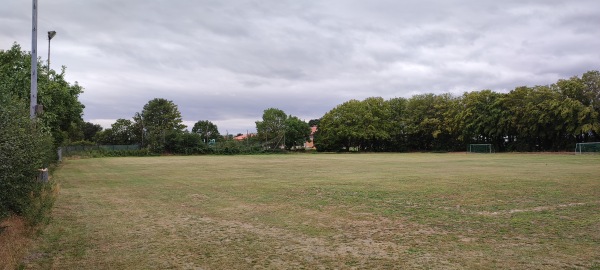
(227,61)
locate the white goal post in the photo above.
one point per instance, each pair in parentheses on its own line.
(480,148)
(587,148)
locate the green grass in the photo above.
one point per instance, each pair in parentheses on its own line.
(456,211)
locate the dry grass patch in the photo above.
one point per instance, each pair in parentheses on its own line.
(15,239)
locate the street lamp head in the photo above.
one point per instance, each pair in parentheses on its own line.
(51,34)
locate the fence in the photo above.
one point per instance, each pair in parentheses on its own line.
(83,148)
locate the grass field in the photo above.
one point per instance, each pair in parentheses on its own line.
(326,211)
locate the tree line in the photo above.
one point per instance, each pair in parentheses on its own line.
(540,118)
(159,129)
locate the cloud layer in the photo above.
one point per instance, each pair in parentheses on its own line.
(227,61)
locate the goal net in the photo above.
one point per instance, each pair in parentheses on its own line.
(589,147)
(480,148)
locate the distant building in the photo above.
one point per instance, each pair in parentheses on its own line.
(310,144)
(242,137)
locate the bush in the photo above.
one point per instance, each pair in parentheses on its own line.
(24,149)
(83,143)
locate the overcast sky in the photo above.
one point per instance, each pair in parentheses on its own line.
(228,60)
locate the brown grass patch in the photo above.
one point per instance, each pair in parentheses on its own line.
(14,242)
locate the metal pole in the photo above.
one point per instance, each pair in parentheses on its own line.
(49,38)
(34,90)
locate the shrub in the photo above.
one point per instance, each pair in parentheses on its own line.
(25,147)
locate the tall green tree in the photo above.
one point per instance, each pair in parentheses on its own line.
(363,125)
(271,130)
(122,132)
(158,118)
(591,80)
(62,110)
(375,115)
(398,124)
(207,131)
(339,128)
(426,123)
(297,132)
(90,130)
(477,118)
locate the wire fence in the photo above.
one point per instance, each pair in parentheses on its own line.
(84,148)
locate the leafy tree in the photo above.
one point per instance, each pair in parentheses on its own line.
(591,80)
(207,131)
(62,109)
(138,130)
(355,124)
(339,128)
(314,122)
(271,129)
(575,88)
(122,132)
(90,130)
(105,137)
(541,118)
(397,124)
(158,117)
(185,143)
(375,120)
(297,132)
(426,124)
(477,118)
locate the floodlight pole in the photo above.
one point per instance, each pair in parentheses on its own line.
(34,90)
(51,34)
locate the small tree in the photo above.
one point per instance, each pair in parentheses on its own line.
(90,130)
(297,132)
(271,129)
(158,118)
(122,131)
(207,131)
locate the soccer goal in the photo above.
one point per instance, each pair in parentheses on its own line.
(480,148)
(587,148)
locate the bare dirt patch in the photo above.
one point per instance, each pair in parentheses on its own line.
(533,209)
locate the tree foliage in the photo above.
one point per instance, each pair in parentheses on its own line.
(121,132)
(207,131)
(62,109)
(271,129)
(297,132)
(540,118)
(158,118)
(90,130)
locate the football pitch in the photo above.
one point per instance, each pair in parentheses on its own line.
(326,211)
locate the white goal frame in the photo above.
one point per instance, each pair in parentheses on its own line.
(580,146)
(489,145)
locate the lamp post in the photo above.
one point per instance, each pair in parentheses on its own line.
(51,34)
